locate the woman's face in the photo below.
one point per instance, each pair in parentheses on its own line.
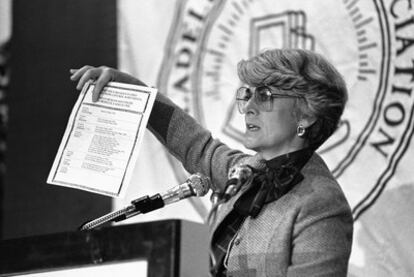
(272,133)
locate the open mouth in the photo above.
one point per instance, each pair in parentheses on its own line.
(251,127)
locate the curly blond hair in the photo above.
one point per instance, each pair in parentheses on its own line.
(322,89)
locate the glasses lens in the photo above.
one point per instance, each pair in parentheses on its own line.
(244,94)
(264,98)
(242,97)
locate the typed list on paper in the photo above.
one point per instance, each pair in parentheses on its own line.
(102,139)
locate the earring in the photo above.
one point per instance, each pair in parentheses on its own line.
(300,130)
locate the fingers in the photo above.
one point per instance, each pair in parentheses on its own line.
(77,73)
(104,78)
(89,74)
(102,75)
(81,75)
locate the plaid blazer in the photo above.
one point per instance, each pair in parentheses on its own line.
(307,232)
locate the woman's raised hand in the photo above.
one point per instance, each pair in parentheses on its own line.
(101,75)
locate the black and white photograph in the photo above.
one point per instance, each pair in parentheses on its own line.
(207,138)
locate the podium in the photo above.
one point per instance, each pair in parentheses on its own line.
(168,248)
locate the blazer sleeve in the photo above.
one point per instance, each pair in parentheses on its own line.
(191,143)
(322,237)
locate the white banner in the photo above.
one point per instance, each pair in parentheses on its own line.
(5,20)
(189,51)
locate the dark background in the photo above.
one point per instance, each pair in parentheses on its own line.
(48,38)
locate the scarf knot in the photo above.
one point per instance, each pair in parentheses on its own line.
(267,185)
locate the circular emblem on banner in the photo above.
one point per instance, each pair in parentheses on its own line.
(209,39)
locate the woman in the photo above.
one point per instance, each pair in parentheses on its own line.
(290,217)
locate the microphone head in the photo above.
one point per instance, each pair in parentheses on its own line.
(256,162)
(200,184)
(240,172)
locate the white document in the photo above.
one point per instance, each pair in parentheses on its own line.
(102,139)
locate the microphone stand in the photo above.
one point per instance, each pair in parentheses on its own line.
(196,185)
(144,204)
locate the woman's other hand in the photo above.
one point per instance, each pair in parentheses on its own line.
(101,75)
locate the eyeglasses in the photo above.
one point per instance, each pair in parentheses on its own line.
(263,97)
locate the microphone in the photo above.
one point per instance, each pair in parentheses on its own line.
(196,185)
(239,174)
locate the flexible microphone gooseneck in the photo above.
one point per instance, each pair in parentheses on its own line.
(196,185)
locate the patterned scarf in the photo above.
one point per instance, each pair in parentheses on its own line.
(268,185)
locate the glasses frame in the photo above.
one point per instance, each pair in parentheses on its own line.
(242,103)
